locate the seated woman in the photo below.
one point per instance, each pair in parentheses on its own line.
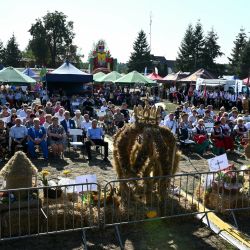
(37,136)
(200,137)
(119,118)
(228,139)
(4,137)
(208,117)
(240,132)
(56,134)
(184,127)
(5,112)
(11,123)
(218,139)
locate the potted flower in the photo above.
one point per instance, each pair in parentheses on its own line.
(49,192)
(228,181)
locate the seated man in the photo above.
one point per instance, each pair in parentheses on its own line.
(68,124)
(37,136)
(85,125)
(95,137)
(170,123)
(18,134)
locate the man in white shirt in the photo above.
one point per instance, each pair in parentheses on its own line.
(192,117)
(23,112)
(18,134)
(186,108)
(170,123)
(201,110)
(85,125)
(104,106)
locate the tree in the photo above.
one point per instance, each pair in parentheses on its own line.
(12,55)
(1,52)
(58,34)
(38,44)
(245,61)
(122,68)
(211,51)
(140,57)
(198,44)
(235,59)
(185,60)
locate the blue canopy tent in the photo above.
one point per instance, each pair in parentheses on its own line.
(29,72)
(68,78)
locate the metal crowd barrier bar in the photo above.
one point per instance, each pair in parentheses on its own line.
(38,211)
(152,198)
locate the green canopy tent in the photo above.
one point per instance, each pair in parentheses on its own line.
(134,77)
(110,77)
(13,76)
(98,75)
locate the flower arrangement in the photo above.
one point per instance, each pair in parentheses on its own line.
(228,180)
(151,214)
(229,177)
(44,178)
(66,172)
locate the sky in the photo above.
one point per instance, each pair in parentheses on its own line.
(118,22)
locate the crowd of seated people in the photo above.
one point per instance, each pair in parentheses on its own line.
(27,124)
(219,131)
(47,126)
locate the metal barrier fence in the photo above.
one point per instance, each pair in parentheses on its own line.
(141,199)
(46,210)
(38,211)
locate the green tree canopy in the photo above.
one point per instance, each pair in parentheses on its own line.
(38,44)
(185,58)
(245,61)
(239,46)
(211,51)
(140,57)
(1,52)
(11,54)
(58,36)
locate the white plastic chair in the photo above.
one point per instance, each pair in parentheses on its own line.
(74,133)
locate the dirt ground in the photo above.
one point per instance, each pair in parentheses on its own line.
(160,235)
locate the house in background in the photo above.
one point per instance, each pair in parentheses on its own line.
(163,65)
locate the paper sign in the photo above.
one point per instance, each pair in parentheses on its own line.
(218,163)
(83,179)
(67,181)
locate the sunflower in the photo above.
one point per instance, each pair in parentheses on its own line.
(66,172)
(151,214)
(45,172)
